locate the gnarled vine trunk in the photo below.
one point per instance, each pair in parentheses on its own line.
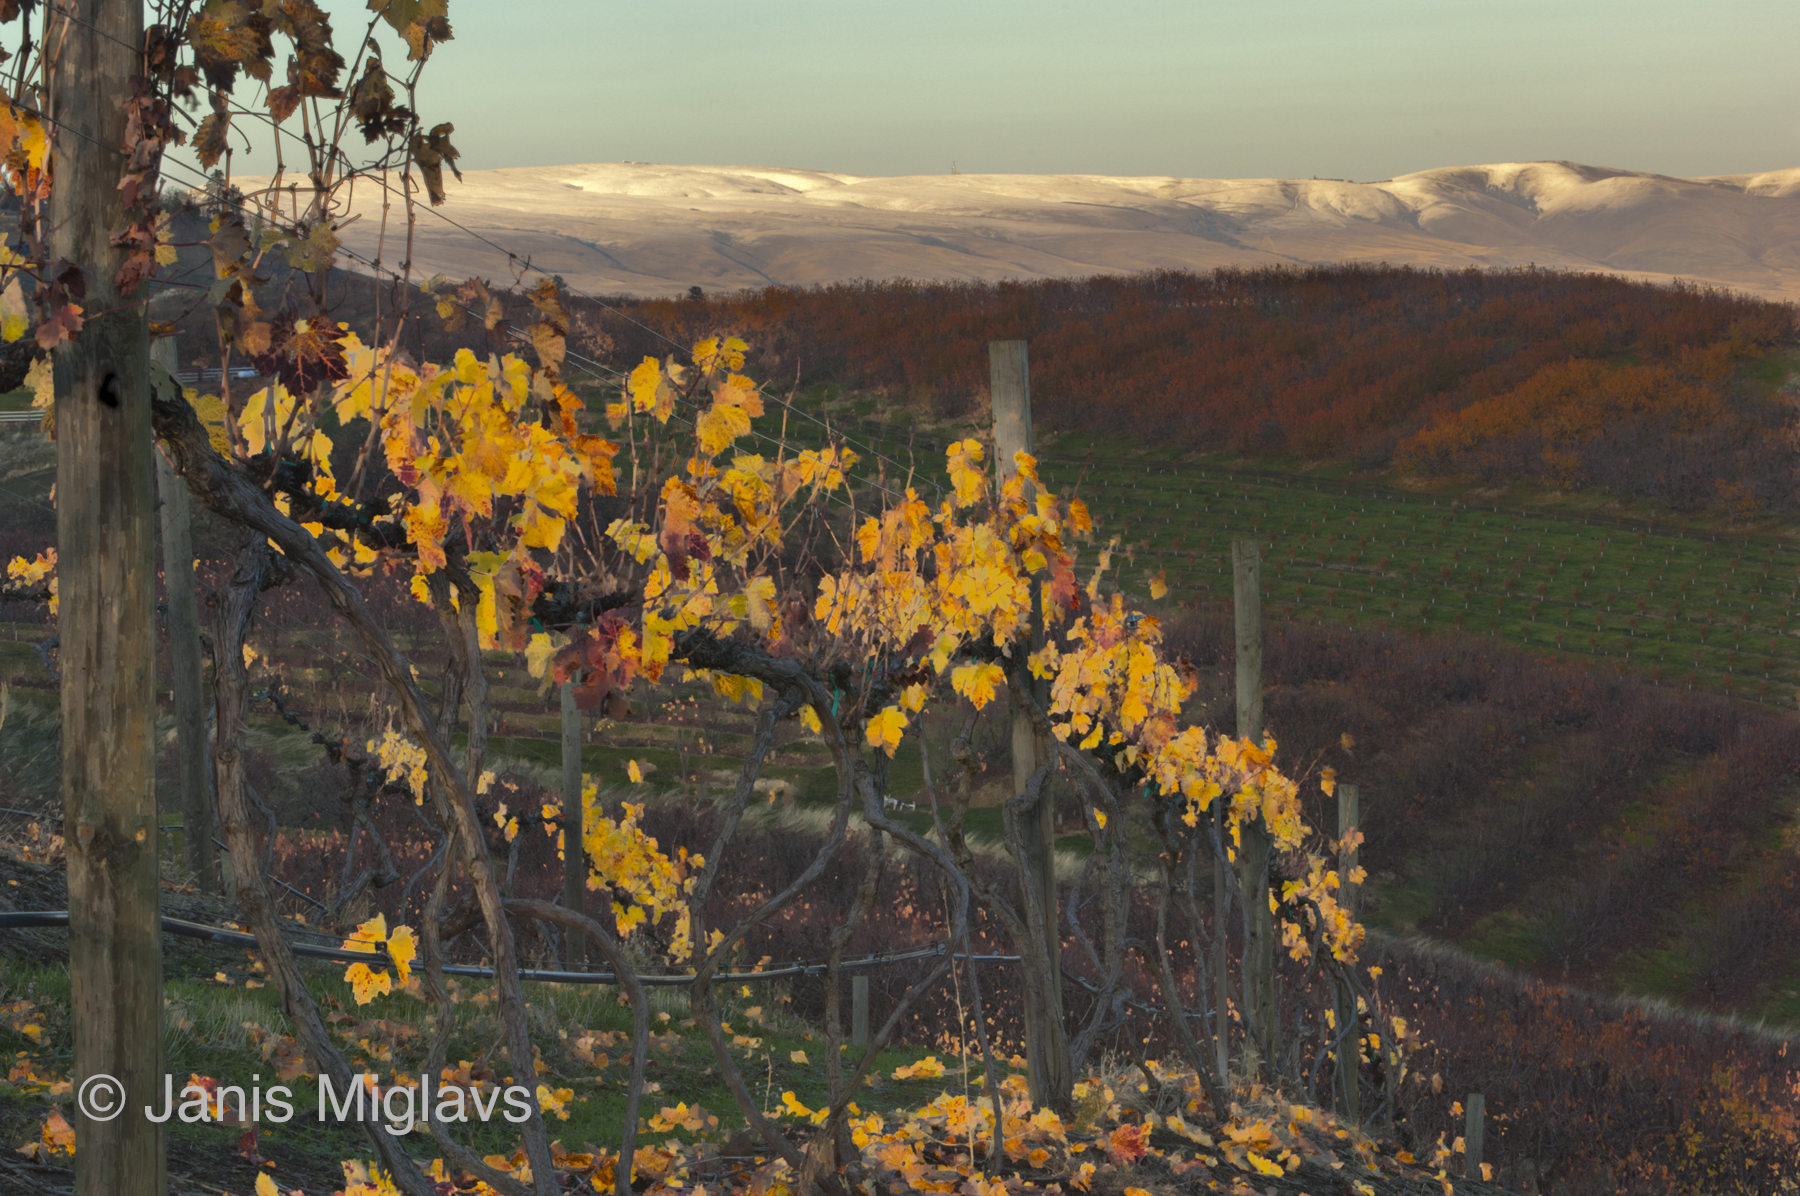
(223,489)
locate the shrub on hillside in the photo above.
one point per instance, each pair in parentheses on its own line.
(1637,381)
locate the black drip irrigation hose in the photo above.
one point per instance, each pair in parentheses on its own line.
(37,919)
(40,919)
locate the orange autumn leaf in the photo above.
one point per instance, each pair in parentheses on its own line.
(1127,1144)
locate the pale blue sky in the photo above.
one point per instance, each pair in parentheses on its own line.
(1335,88)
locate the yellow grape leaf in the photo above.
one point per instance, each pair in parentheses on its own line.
(266,1186)
(1079,518)
(403,948)
(14,320)
(650,391)
(759,597)
(927,1068)
(1264,1166)
(1100,818)
(886,728)
(737,687)
(1159,585)
(868,538)
(426,527)
(713,353)
(809,718)
(977,682)
(965,471)
(366,983)
(538,653)
(797,1057)
(368,934)
(719,426)
(556,1102)
(484,568)
(634,772)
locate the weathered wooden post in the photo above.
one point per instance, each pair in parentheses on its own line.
(106,572)
(184,658)
(859,1010)
(1009,384)
(1253,855)
(1474,1131)
(574,855)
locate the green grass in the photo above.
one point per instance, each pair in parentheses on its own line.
(1689,599)
(206,1035)
(1688,607)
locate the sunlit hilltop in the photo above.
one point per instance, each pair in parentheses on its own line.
(639,228)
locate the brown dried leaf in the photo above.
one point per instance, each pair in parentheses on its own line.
(229,245)
(433,151)
(550,345)
(282,102)
(316,64)
(59,326)
(209,139)
(401,13)
(372,103)
(423,35)
(229,37)
(254,340)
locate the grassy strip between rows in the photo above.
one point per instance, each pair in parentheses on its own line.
(231,1029)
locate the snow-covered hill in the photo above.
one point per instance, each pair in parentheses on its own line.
(645,229)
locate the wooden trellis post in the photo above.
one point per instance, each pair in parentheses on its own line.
(1009,384)
(106,575)
(1253,856)
(1474,1133)
(184,658)
(859,1010)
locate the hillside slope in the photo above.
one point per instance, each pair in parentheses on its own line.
(647,229)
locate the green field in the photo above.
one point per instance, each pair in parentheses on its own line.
(1684,607)
(1676,600)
